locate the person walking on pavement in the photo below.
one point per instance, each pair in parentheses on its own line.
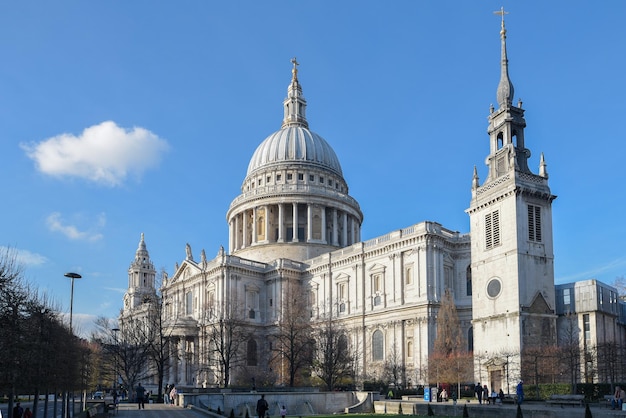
(173,395)
(520,392)
(261,407)
(479,392)
(141,396)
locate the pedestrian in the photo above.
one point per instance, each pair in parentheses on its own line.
(261,407)
(18,411)
(141,393)
(486,394)
(173,395)
(520,392)
(479,392)
(283,411)
(166,394)
(28,413)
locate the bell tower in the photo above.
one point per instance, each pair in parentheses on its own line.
(512,246)
(141,278)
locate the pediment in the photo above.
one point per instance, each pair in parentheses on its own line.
(377,268)
(342,277)
(539,305)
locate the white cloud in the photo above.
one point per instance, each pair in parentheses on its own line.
(25,257)
(104,153)
(56,224)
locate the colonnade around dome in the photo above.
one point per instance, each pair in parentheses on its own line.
(274,223)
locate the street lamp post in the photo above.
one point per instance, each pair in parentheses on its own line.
(72,276)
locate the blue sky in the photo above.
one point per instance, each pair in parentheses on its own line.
(118,118)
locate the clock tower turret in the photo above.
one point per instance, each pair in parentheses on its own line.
(141,278)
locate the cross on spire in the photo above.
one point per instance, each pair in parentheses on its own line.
(294,70)
(501,12)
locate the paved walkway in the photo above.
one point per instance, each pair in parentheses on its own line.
(155,410)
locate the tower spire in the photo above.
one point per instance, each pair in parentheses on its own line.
(294,104)
(505,87)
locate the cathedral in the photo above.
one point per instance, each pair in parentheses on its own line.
(295,226)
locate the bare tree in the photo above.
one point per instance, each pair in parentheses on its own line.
(538,365)
(293,339)
(159,340)
(610,360)
(38,350)
(394,369)
(620,284)
(133,350)
(332,360)
(450,360)
(226,336)
(571,352)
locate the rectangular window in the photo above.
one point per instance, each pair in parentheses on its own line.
(278,177)
(311,177)
(342,291)
(534,223)
(408,275)
(492,229)
(587,328)
(268,179)
(566,298)
(289,176)
(189,303)
(321,180)
(377,283)
(300,176)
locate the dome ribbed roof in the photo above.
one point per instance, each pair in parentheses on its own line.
(294,144)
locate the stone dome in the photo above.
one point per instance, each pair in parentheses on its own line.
(294,202)
(294,144)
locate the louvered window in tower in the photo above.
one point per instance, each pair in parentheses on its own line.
(492,230)
(534,223)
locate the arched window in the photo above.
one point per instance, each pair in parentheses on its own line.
(409,349)
(377,345)
(251,358)
(470,339)
(342,345)
(468,280)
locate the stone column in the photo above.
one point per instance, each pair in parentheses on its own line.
(335,231)
(267,223)
(244,232)
(294,238)
(254,226)
(309,222)
(231,241)
(281,223)
(344,235)
(237,238)
(323,235)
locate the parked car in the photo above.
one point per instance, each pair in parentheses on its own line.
(98,395)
